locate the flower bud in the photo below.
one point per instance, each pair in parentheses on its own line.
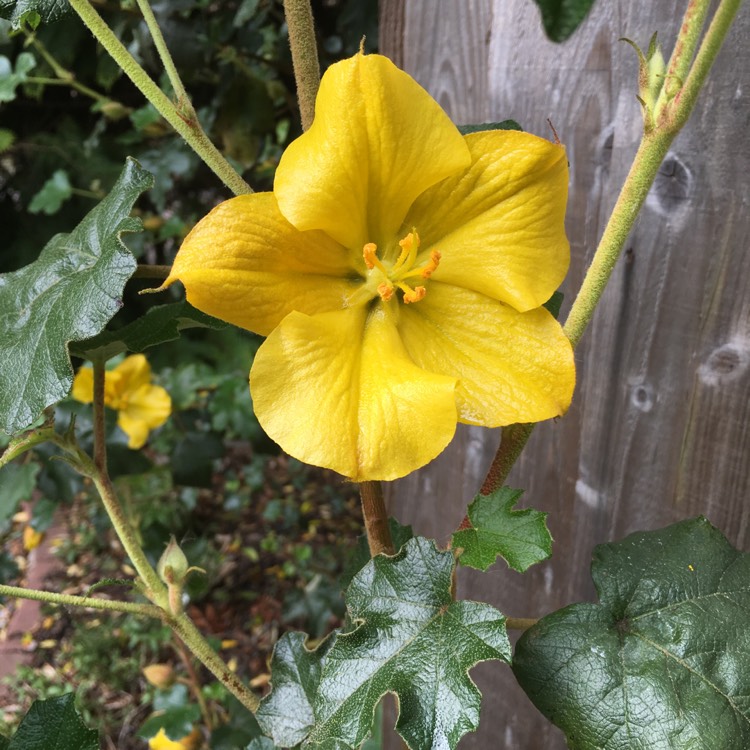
(159,675)
(173,565)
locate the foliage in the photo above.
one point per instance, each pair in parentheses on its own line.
(665,653)
(404,620)
(53,723)
(521,537)
(562,17)
(68,294)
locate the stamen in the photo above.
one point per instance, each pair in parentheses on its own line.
(412,295)
(409,249)
(429,269)
(369,253)
(385,290)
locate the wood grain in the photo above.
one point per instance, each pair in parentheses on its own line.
(660,427)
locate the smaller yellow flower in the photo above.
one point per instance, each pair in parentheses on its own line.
(141,406)
(162,742)
(32,538)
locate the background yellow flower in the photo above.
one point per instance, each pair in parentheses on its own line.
(141,406)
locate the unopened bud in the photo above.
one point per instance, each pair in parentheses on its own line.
(159,675)
(173,565)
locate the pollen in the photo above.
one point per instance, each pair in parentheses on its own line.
(385,290)
(433,263)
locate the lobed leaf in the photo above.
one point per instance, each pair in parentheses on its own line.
(53,724)
(663,661)
(410,638)
(11,79)
(562,17)
(68,294)
(521,537)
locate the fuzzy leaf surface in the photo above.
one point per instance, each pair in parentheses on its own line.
(159,325)
(519,536)
(561,18)
(663,661)
(410,638)
(69,293)
(54,724)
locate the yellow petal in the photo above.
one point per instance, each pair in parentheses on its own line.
(511,366)
(148,407)
(499,226)
(338,390)
(133,372)
(378,140)
(246,264)
(83,385)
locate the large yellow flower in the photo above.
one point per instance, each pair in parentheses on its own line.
(141,406)
(398,270)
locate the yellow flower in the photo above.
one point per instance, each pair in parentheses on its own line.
(31,538)
(128,389)
(398,270)
(161,741)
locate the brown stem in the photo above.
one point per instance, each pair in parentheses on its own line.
(100,443)
(376,519)
(520,623)
(144,271)
(194,681)
(513,439)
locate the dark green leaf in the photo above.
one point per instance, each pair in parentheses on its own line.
(16,484)
(4,742)
(68,294)
(411,639)
(53,194)
(360,556)
(158,325)
(193,457)
(54,724)
(504,125)
(173,713)
(17,11)
(663,662)
(7,139)
(562,17)
(11,79)
(554,303)
(261,743)
(519,536)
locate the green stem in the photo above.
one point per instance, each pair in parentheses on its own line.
(188,127)
(710,46)
(98,473)
(376,519)
(520,623)
(183,100)
(145,271)
(684,48)
(148,610)
(194,640)
(299,20)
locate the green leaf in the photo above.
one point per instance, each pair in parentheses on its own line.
(411,639)
(259,743)
(4,742)
(173,713)
(360,555)
(158,325)
(68,294)
(53,194)
(562,17)
(519,536)
(16,484)
(504,125)
(7,139)
(663,661)
(54,724)
(18,11)
(11,79)
(554,303)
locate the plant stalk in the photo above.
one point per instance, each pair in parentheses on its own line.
(188,127)
(376,519)
(299,20)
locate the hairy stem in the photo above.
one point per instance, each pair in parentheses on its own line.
(157,591)
(188,127)
(512,440)
(149,610)
(192,637)
(183,100)
(299,20)
(144,271)
(520,623)
(376,519)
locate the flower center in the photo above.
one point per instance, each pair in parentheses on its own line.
(386,279)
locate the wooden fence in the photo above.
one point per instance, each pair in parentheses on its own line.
(660,426)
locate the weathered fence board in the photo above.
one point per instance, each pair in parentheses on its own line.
(660,427)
